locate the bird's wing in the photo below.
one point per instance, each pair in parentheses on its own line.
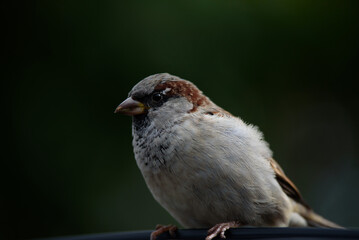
(287,185)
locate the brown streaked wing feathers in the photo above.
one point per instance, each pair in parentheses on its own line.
(287,185)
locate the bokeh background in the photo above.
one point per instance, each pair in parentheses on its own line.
(289,67)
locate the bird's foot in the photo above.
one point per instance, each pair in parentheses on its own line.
(171,229)
(220,229)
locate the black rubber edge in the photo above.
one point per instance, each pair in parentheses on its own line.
(239,233)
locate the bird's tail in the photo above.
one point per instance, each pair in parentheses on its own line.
(315,220)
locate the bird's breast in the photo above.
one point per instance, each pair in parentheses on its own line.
(206,177)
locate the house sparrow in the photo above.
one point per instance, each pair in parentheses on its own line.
(206,167)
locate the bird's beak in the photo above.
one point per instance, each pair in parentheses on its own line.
(131,107)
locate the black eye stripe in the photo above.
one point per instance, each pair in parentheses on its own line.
(152,100)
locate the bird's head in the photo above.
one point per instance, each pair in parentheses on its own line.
(164,97)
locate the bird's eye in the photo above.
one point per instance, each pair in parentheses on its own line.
(157,97)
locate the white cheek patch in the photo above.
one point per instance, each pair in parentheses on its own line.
(166,91)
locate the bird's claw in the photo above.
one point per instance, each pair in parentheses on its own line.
(220,229)
(171,229)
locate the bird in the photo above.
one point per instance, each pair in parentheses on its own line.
(206,167)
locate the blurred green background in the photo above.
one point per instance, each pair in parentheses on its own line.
(287,66)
